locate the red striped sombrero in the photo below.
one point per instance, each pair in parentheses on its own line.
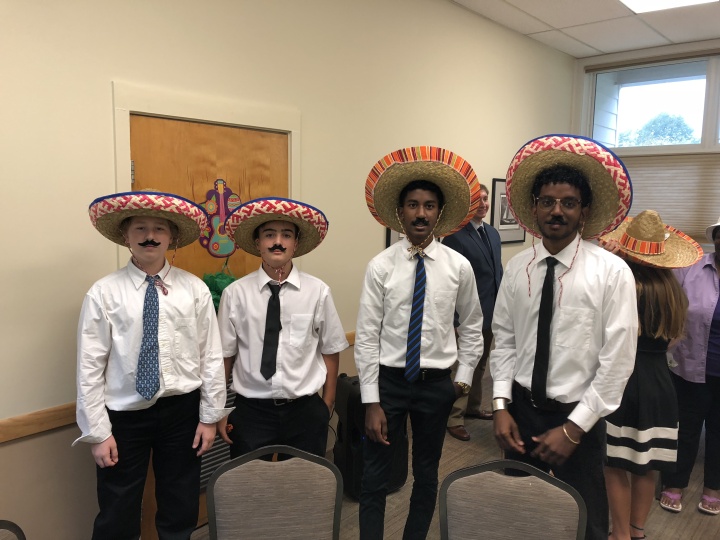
(107,213)
(607,176)
(647,240)
(311,222)
(452,174)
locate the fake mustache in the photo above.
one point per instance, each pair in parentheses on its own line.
(420,221)
(278,247)
(557,220)
(149,243)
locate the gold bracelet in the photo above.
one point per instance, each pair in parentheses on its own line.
(568,436)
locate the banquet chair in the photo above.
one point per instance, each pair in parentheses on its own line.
(10,531)
(482,502)
(251,497)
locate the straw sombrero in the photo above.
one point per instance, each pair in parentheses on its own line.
(107,213)
(452,174)
(311,222)
(710,229)
(607,176)
(647,240)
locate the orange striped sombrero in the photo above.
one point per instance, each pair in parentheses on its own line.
(107,213)
(311,222)
(647,240)
(606,174)
(452,174)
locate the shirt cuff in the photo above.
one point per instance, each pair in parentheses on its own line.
(91,439)
(583,417)
(464,374)
(370,393)
(208,415)
(502,389)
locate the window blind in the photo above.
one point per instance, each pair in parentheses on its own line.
(684,189)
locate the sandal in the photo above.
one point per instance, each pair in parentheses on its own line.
(642,531)
(674,497)
(708,500)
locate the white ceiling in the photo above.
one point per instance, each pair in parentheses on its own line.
(583,28)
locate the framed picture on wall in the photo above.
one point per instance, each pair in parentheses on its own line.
(501,217)
(391,237)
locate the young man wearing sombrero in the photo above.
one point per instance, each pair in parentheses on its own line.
(150,369)
(281,333)
(565,320)
(405,344)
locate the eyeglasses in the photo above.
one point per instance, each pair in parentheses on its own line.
(548,203)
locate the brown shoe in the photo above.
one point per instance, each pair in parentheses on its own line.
(482,415)
(459,432)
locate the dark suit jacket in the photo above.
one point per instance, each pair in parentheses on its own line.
(488,270)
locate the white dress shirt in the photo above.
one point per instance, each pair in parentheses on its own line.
(109,337)
(384,316)
(311,327)
(593,333)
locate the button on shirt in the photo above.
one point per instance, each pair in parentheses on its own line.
(700,282)
(311,327)
(382,323)
(109,336)
(593,334)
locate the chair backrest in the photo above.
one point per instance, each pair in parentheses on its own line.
(299,498)
(10,531)
(482,502)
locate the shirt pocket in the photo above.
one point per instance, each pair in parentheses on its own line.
(444,308)
(186,343)
(300,330)
(573,328)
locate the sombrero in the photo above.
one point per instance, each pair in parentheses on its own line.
(311,222)
(107,213)
(607,176)
(647,240)
(452,174)
(710,229)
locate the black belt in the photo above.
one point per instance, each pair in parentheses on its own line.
(424,375)
(551,405)
(276,402)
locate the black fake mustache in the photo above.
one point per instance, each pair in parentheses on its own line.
(149,243)
(420,221)
(278,247)
(557,220)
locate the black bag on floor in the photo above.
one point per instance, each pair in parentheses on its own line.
(348,451)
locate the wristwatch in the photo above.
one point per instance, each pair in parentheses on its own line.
(499,404)
(465,388)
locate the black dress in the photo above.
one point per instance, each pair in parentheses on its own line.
(642,432)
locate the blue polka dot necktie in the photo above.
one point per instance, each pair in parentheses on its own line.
(147,379)
(412,358)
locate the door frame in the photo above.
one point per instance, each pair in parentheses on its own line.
(130,98)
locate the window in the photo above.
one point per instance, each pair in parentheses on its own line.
(656,105)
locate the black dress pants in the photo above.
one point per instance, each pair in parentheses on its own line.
(166,429)
(428,403)
(584,468)
(301,423)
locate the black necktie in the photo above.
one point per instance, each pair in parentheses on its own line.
(272,333)
(486,241)
(542,352)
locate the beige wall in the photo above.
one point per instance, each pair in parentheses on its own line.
(367,77)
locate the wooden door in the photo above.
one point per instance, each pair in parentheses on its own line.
(189,159)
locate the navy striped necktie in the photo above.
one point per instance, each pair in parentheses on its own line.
(412,359)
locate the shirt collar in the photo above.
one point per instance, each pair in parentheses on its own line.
(710,260)
(138,276)
(293,278)
(430,251)
(564,257)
